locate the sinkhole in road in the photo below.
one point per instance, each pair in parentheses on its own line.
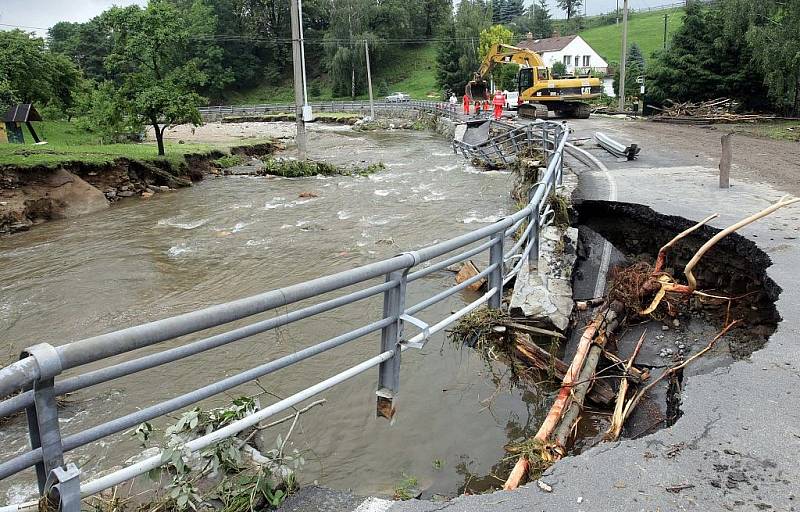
(735,268)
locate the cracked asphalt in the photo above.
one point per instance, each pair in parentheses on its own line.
(737,445)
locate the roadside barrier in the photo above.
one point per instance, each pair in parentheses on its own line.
(219,112)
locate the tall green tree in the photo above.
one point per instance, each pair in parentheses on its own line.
(634,68)
(429,16)
(542,22)
(458,58)
(86,44)
(773,38)
(707,59)
(154,82)
(498,6)
(504,75)
(570,7)
(33,73)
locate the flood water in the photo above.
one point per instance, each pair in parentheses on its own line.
(232,237)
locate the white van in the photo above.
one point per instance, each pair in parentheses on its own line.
(511,99)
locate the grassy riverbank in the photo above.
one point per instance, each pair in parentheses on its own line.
(67,142)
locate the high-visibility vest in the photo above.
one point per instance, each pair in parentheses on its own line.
(499,100)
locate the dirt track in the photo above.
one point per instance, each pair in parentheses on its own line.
(754,159)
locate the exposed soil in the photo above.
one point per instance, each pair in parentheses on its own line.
(754,159)
(32,195)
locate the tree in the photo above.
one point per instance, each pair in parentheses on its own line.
(497,11)
(496,34)
(634,67)
(154,83)
(428,16)
(457,58)
(7,97)
(571,7)
(559,68)
(772,37)
(502,74)
(708,58)
(34,74)
(85,44)
(542,23)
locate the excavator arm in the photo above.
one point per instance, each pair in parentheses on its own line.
(505,54)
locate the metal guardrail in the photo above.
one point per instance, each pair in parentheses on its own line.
(36,377)
(219,112)
(509,140)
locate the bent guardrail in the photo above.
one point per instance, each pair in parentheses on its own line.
(36,376)
(505,143)
(218,112)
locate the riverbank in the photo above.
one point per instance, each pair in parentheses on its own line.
(49,184)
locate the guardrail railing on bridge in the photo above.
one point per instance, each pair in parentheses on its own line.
(36,377)
(505,143)
(221,111)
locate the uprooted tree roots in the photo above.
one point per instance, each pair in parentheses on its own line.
(637,292)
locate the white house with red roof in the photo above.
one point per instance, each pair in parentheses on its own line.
(573,51)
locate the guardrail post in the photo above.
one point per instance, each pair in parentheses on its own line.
(43,428)
(496,276)
(389,371)
(544,145)
(533,218)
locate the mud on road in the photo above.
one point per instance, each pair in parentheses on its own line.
(755,159)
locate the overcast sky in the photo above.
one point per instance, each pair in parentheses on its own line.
(44,13)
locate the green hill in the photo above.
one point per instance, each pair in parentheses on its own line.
(409,70)
(645,29)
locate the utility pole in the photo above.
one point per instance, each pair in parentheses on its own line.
(299,79)
(369,81)
(617,12)
(624,56)
(666,17)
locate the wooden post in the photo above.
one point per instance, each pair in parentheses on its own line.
(725,162)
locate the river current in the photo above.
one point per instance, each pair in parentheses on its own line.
(236,236)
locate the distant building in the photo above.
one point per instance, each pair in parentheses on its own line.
(573,51)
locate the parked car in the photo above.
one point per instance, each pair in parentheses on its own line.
(398,97)
(512,97)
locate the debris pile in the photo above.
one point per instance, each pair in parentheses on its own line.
(720,110)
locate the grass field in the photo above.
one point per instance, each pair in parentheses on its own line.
(412,71)
(66,143)
(778,130)
(645,29)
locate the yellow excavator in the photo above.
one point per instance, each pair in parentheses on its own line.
(539,91)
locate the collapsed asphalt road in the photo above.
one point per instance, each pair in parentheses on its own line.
(737,445)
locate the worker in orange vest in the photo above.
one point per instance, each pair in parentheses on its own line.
(466,105)
(499,102)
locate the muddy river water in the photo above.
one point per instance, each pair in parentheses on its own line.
(232,237)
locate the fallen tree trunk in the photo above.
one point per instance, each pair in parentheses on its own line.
(571,377)
(617,419)
(539,358)
(517,474)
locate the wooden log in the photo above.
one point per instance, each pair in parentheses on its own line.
(570,378)
(469,270)
(601,393)
(518,474)
(618,419)
(633,373)
(564,430)
(533,330)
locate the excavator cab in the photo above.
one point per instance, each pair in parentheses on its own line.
(528,77)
